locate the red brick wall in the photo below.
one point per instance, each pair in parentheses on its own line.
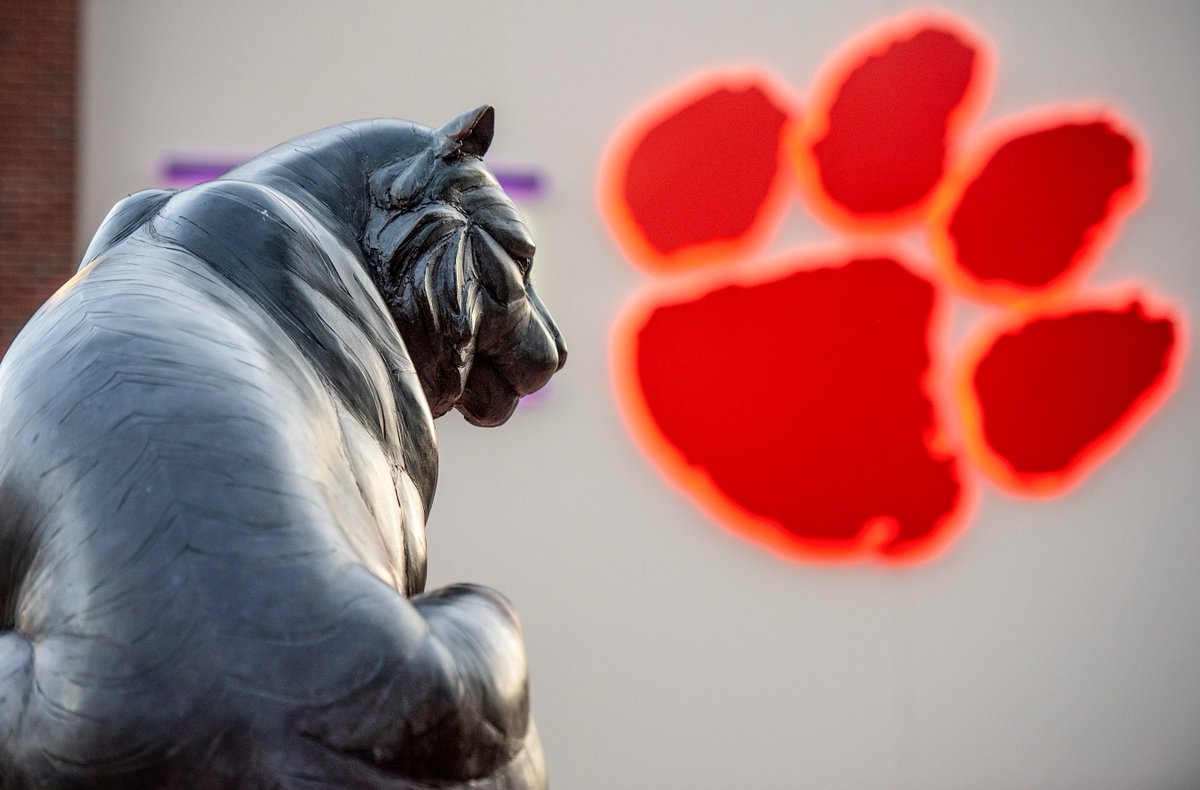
(38,59)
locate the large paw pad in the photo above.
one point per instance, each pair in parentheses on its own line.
(766,397)
(802,401)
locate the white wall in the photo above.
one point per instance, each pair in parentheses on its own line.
(1055,645)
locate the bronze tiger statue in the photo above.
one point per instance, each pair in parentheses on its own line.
(217,456)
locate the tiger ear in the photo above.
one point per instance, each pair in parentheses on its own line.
(472,131)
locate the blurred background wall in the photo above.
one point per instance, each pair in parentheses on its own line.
(1055,644)
(39,46)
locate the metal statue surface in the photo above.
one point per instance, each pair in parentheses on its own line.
(217,456)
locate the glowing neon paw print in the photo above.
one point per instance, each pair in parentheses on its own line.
(803,401)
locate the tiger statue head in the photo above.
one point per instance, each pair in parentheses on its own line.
(451,255)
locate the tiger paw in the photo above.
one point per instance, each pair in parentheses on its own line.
(804,401)
(792,418)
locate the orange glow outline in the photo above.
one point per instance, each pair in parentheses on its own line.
(614,165)
(696,485)
(1104,446)
(832,76)
(964,172)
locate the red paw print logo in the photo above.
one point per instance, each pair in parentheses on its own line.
(814,402)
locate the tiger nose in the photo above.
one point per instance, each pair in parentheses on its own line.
(560,345)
